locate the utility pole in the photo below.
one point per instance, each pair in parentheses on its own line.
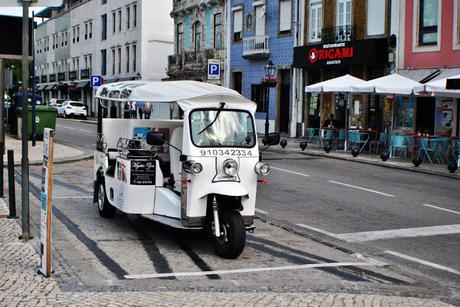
(25,122)
(2,123)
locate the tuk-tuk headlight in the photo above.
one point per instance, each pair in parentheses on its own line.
(192,167)
(230,167)
(262,168)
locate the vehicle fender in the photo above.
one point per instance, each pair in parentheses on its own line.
(225,188)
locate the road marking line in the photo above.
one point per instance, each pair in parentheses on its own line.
(317,230)
(251,270)
(288,171)
(399,233)
(427,263)
(360,188)
(444,209)
(70,197)
(261,211)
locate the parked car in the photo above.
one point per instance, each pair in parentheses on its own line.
(56,102)
(71,108)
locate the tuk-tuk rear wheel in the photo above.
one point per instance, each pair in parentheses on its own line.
(103,206)
(233,235)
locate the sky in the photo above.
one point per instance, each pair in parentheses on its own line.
(17,11)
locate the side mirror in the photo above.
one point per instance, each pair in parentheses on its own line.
(272,139)
(155,138)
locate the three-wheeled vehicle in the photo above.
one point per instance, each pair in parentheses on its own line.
(193,165)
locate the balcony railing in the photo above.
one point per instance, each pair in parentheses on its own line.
(52,77)
(256,47)
(43,78)
(61,76)
(73,75)
(344,33)
(84,73)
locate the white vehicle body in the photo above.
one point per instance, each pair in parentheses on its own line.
(71,108)
(136,184)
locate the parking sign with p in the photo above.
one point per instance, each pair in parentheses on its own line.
(213,69)
(96,81)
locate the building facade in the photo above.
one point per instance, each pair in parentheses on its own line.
(428,50)
(263,31)
(117,39)
(200,35)
(343,37)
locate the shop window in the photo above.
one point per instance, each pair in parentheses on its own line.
(237,25)
(316,20)
(258,97)
(428,22)
(285,16)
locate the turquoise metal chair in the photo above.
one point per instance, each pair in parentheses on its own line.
(398,143)
(327,136)
(340,137)
(382,140)
(425,149)
(312,133)
(358,139)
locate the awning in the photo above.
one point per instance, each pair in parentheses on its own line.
(40,88)
(394,84)
(82,85)
(438,88)
(343,84)
(50,87)
(420,75)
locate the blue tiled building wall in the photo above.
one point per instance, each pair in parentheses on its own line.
(280,46)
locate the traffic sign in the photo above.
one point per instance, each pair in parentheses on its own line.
(96,81)
(49,3)
(213,69)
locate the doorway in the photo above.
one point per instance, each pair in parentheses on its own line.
(238,81)
(425,114)
(284,101)
(340,110)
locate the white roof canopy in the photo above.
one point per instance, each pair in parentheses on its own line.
(393,84)
(438,88)
(346,83)
(193,92)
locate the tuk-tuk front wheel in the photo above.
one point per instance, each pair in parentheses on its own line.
(103,206)
(231,242)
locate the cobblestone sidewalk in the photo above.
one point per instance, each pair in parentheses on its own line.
(20,285)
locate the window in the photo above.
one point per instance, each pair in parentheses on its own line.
(74,36)
(134,15)
(237,25)
(103,62)
(104,26)
(127,58)
(90,29)
(62,39)
(456,38)
(259,22)
(376,11)
(86,31)
(218,31)
(66,36)
(316,21)
(119,21)
(78,34)
(114,21)
(128,17)
(134,58)
(180,37)
(119,60)
(343,13)
(113,61)
(257,97)
(104,1)
(197,34)
(238,81)
(428,22)
(285,16)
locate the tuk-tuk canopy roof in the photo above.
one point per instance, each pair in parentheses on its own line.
(187,93)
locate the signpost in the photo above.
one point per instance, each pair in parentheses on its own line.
(214,70)
(46,202)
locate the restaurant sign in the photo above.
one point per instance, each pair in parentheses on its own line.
(360,52)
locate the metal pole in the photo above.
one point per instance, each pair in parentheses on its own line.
(267,98)
(25,122)
(11,188)
(2,123)
(34,101)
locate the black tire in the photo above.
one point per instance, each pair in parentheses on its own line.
(103,206)
(63,115)
(231,243)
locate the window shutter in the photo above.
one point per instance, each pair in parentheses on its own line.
(285,15)
(237,21)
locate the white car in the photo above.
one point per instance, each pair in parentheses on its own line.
(72,109)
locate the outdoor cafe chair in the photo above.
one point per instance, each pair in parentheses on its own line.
(340,138)
(312,133)
(327,136)
(382,140)
(425,149)
(356,139)
(398,143)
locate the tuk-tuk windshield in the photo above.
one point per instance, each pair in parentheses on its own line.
(232,128)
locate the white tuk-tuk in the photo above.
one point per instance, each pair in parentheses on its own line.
(193,165)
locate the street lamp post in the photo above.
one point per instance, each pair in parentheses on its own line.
(268,82)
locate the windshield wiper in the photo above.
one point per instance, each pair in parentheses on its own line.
(222,105)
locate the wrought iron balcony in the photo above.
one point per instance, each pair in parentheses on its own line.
(43,78)
(73,75)
(256,47)
(84,73)
(61,76)
(52,77)
(344,33)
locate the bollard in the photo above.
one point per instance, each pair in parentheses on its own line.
(11,189)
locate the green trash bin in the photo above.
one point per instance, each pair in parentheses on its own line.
(45,117)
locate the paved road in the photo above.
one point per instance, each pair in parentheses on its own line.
(406,218)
